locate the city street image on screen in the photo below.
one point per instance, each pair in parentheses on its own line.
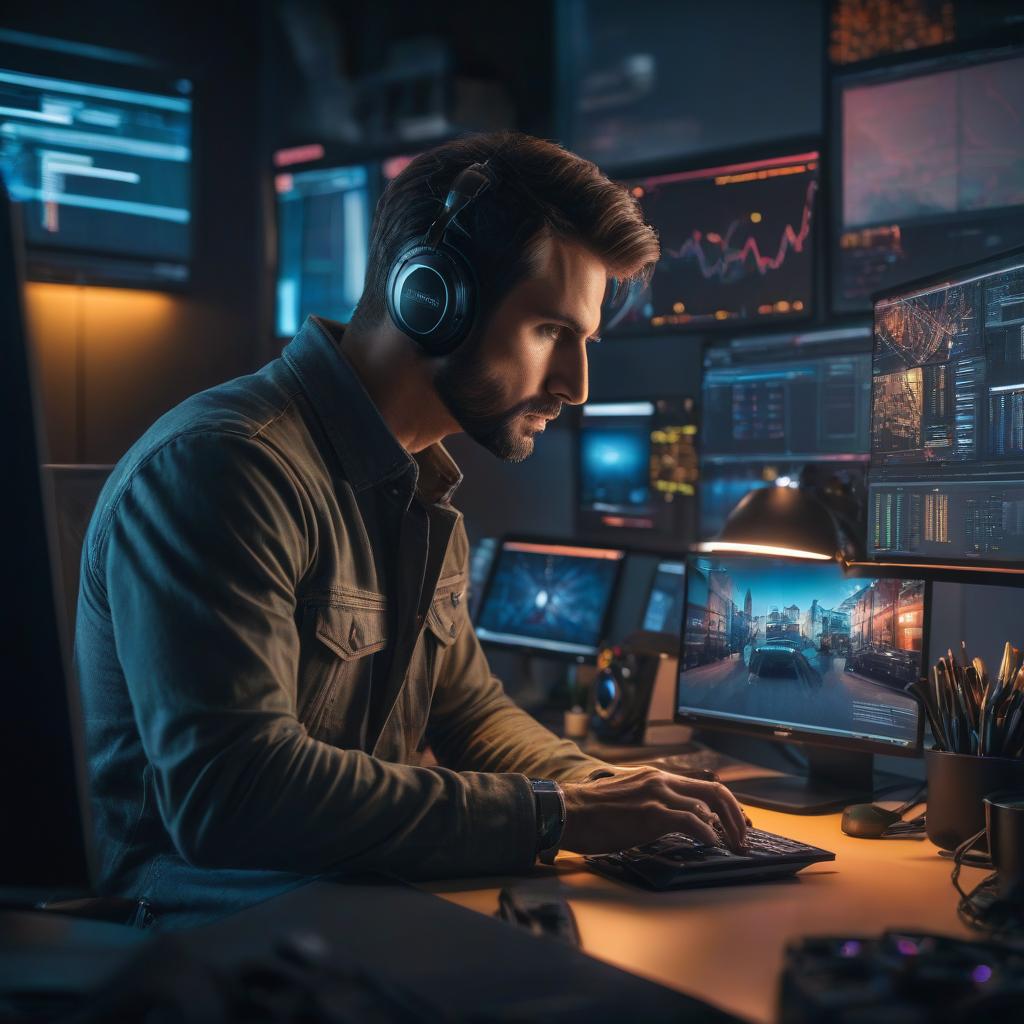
(799,645)
(549,597)
(947,439)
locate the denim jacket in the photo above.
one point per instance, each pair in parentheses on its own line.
(272,627)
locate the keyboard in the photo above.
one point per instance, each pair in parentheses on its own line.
(675,861)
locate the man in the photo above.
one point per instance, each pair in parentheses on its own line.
(272,620)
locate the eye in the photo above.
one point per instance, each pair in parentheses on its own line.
(552,331)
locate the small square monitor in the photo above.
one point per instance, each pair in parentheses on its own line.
(798,650)
(637,469)
(549,598)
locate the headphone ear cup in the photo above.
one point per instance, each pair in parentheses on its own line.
(431,296)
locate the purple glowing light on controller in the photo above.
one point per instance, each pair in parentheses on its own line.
(981,973)
(851,948)
(906,947)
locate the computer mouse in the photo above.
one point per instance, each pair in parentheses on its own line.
(867,821)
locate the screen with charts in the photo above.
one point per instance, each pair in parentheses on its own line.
(737,246)
(549,598)
(778,642)
(637,467)
(947,438)
(664,611)
(930,157)
(776,409)
(323,235)
(105,176)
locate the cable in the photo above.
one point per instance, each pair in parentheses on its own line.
(982,908)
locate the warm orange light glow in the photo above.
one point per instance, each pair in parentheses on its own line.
(756,217)
(565,549)
(716,546)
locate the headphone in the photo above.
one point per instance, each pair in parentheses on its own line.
(432,291)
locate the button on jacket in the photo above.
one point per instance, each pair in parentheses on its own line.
(272,627)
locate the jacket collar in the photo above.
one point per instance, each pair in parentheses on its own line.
(370,454)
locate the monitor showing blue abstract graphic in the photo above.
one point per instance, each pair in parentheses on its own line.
(104,174)
(323,234)
(549,598)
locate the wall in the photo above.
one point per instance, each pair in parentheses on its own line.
(112,360)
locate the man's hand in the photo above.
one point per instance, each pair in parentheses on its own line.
(636,807)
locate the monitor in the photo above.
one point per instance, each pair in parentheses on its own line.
(45,809)
(946,479)
(323,236)
(929,165)
(790,649)
(737,245)
(781,408)
(549,598)
(100,156)
(664,611)
(637,469)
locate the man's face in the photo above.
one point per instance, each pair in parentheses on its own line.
(504,384)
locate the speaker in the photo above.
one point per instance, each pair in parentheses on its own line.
(635,691)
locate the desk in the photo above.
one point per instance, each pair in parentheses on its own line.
(725,945)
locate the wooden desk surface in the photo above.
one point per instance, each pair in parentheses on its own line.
(725,944)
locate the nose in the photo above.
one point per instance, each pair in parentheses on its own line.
(567,377)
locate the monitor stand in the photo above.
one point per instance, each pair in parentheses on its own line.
(834,780)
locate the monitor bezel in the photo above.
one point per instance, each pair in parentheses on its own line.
(955,569)
(525,648)
(790,146)
(796,734)
(913,65)
(64,264)
(633,538)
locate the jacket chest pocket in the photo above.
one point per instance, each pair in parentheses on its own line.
(446,619)
(339,644)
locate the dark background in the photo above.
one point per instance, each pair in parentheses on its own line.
(269,75)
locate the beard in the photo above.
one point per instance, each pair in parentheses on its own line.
(475,399)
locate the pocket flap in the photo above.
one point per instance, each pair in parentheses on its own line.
(447,615)
(352,632)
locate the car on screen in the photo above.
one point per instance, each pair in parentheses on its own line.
(886,665)
(782,661)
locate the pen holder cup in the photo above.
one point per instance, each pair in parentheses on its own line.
(957,786)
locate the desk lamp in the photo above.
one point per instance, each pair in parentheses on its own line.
(815,520)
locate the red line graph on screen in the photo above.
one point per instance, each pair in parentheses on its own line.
(729,256)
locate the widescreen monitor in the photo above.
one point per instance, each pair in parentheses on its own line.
(798,650)
(780,409)
(637,469)
(737,246)
(103,170)
(929,166)
(946,481)
(549,598)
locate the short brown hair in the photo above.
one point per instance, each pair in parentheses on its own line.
(539,186)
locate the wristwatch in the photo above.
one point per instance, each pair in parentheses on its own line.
(550,806)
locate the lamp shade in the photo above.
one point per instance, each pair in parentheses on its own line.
(782,521)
